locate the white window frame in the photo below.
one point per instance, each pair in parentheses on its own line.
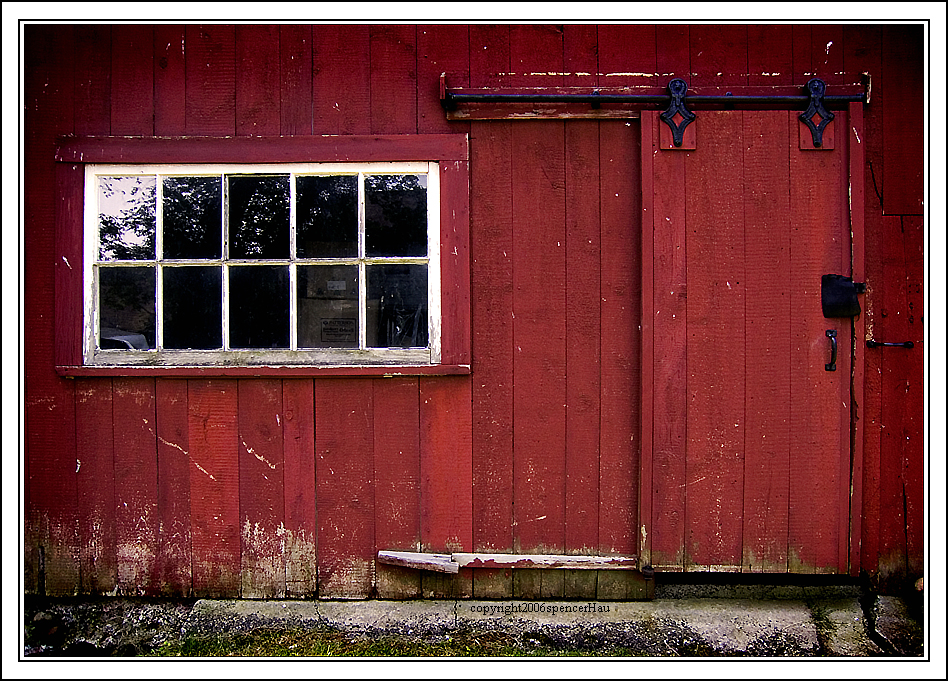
(341,357)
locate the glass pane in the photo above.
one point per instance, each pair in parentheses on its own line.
(396,215)
(259,209)
(126,308)
(327,210)
(260,306)
(126,218)
(328,300)
(397,301)
(191,308)
(192,217)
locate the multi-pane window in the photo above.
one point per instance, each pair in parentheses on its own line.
(266,264)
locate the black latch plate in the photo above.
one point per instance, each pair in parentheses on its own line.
(838,295)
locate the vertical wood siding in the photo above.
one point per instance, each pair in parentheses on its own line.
(288,487)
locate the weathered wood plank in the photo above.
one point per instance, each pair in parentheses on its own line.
(446,475)
(619,65)
(442,49)
(393,79)
(437,562)
(341,80)
(296,79)
(258,85)
(211,80)
(174,488)
(492,344)
(857,207)
(490,55)
(397,464)
(539,335)
(290,149)
(68,265)
(816,249)
(648,141)
(136,485)
(903,173)
(215,491)
(260,420)
(620,286)
(770,54)
(95,479)
(583,319)
(828,50)
(299,487)
(446,463)
(536,55)
(768,313)
(913,460)
(673,57)
(897,395)
(716,344)
(132,81)
(455,263)
(666,226)
(580,54)
(862,54)
(51,560)
(345,498)
(544,562)
(92,62)
(718,54)
(170,92)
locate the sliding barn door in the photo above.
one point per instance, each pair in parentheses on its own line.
(746,434)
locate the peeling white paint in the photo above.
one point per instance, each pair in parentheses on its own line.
(257,456)
(828,46)
(67,262)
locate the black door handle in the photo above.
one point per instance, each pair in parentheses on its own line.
(831,334)
(877,344)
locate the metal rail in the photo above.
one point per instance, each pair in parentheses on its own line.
(817,105)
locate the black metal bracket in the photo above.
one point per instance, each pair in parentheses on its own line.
(831,334)
(878,344)
(677,89)
(817,89)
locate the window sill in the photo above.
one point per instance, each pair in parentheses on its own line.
(285,371)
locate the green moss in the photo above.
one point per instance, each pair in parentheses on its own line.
(268,643)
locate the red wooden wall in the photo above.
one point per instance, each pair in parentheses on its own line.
(270,487)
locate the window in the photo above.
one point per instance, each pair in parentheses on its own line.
(262,264)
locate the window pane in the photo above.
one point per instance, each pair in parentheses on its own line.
(260,306)
(396,215)
(259,210)
(397,301)
(126,308)
(126,218)
(327,210)
(192,217)
(328,299)
(191,308)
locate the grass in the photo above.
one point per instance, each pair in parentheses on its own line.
(321,643)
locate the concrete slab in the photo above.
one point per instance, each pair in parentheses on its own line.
(896,627)
(683,627)
(844,629)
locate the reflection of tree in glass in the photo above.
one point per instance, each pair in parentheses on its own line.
(327,216)
(127,300)
(129,233)
(191,217)
(259,216)
(396,215)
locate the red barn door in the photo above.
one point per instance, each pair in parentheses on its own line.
(746,435)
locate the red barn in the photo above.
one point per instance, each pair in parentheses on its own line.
(470,311)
